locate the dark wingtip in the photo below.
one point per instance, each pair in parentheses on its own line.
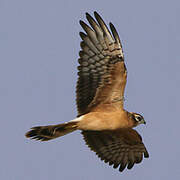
(146,154)
(115,33)
(122,167)
(82,35)
(130,165)
(87,14)
(111,25)
(95,13)
(81,22)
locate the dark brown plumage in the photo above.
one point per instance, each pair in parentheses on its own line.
(119,148)
(106,126)
(100,52)
(46,133)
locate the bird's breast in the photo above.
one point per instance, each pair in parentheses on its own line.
(99,121)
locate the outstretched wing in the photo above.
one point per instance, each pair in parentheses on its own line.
(102,72)
(118,148)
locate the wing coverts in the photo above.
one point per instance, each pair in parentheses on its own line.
(118,148)
(100,51)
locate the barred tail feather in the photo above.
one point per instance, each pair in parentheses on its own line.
(45,133)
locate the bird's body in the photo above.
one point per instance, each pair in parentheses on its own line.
(106,126)
(105,120)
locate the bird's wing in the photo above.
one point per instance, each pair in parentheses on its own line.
(102,72)
(118,148)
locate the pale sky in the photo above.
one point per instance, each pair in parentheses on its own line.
(39,45)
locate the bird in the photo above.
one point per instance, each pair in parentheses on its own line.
(106,127)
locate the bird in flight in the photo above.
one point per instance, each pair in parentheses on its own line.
(106,126)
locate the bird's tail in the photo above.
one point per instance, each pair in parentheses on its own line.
(45,133)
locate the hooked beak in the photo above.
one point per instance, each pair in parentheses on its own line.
(143,121)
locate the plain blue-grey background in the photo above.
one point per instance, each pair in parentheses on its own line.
(39,46)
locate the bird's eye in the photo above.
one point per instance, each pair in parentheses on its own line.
(138,118)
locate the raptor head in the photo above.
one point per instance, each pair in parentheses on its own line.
(138,119)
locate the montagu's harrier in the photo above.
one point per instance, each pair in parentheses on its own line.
(106,126)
